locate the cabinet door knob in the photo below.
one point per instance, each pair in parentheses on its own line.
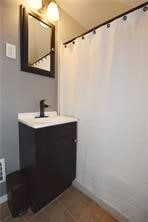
(75,140)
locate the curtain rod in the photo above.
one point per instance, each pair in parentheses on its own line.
(144,6)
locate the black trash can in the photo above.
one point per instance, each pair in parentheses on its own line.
(18,200)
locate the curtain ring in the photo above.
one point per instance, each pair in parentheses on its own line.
(124,17)
(94,31)
(83,37)
(65,46)
(73,42)
(108,25)
(145,8)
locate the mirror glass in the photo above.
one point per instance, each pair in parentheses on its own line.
(39,44)
(37,38)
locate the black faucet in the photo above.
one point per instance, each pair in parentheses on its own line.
(42,107)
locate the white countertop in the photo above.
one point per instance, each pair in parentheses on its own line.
(52,119)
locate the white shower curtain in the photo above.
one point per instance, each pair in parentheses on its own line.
(104,82)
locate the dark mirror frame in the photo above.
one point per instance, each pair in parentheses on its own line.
(24,44)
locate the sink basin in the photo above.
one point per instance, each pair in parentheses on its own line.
(53,119)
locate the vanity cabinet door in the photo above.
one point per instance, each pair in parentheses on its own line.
(55,163)
(64,155)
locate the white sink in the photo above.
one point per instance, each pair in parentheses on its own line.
(53,119)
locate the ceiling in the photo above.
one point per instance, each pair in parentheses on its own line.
(90,13)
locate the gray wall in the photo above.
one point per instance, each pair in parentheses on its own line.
(20,91)
(2,186)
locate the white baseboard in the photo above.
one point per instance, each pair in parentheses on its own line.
(3,199)
(114,212)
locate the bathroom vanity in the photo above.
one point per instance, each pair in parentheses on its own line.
(47,155)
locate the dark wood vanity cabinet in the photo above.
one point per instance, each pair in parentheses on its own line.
(48,160)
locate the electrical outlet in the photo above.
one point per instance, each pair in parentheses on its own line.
(2,171)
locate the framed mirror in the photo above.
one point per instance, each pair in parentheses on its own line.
(37,44)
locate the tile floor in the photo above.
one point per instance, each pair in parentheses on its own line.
(71,206)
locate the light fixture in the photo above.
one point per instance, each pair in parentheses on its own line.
(53,11)
(36,4)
